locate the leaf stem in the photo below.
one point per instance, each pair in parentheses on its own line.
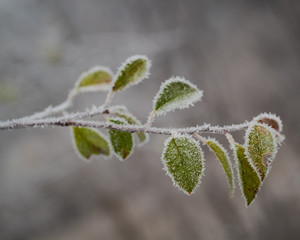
(108,99)
(52,110)
(230,138)
(151,118)
(197,136)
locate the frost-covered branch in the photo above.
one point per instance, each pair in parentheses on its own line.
(182,156)
(70,120)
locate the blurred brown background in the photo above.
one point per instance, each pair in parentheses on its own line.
(244,54)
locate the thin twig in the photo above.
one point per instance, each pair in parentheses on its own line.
(69,120)
(51,110)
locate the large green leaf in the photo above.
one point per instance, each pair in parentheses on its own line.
(260,147)
(88,142)
(248,178)
(183,160)
(121,141)
(176,93)
(222,155)
(97,78)
(134,70)
(122,112)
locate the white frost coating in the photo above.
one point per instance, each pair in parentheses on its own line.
(93,156)
(183,103)
(122,120)
(98,87)
(123,110)
(117,108)
(246,145)
(236,164)
(177,135)
(145,75)
(270,116)
(227,156)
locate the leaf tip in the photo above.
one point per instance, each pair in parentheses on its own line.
(135,69)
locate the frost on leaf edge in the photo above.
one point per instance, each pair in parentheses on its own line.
(197,96)
(270,116)
(128,61)
(236,166)
(230,163)
(246,146)
(94,88)
(197,143)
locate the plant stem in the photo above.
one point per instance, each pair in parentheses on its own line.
(199,138)
(52,110)
(151,118)
(70,120)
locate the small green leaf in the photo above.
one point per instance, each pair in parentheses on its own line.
(97,78)
(121,141)
(88,142)
(176,93)
(133,71)
(248,178)
(183,160)
(222,155)
(122,112)
(260,147)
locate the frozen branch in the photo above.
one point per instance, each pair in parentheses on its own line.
(72,120)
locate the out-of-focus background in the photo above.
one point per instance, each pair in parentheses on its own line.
(244,54)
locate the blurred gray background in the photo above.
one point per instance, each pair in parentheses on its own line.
(244,54)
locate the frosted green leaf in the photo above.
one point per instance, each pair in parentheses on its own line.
(260,147)
(95,79)
(122,112)
(88,142)
(248,178)
(176,93)
(183,160)
(121,141)
(222,155)
(133,71)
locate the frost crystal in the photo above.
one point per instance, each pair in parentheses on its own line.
(222,155)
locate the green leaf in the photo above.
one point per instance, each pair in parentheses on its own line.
(121,141)
(122,112)
(260,147)
(133,71)
(176,93)
(222,155)
(183,160)
(97,78)
(88,142)
(248,178)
